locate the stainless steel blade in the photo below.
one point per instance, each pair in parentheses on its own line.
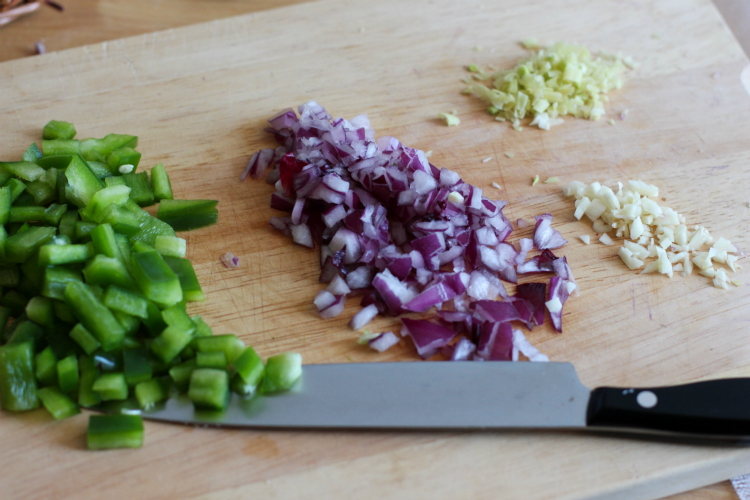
(409,395)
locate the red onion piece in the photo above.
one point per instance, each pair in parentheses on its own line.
(559,290)
(463,350)
(230,260)
(545,237)
(394,292)
(524,346)
(338,286)
(384,341)
(364,316)
(329,305)
(525,245)
(562,269)
(432,296)
(497,312)
(359,278)
(495,342)
(258,164)
(428,337)
(302,236)
(534,294)
(347,240)
(55,5)
(541,263)
(521,223)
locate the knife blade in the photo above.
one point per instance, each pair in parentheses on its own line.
(486,395)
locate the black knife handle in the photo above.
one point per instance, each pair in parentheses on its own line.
(711,408)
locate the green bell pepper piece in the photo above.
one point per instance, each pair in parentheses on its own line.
(140,188)
(114,431)
(21,246)
(17,381)
(183,268)
(46,366)
(214,359)
(209,388)
(160,183)
(94,315)
(59,405)
(186,215)
(111,387)
(281,372)
(82,183)
(33,153)
(151,392)
(155,278)
(232,346)
(123,156)
(54,255)
(55,129)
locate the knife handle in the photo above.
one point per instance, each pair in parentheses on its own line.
(711,408)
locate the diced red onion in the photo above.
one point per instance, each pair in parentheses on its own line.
(521,223)
(534,294)
(524,346)
(557,290)
(448,178)
(258,164)
(463,350)
(498,312)
(423,182)
(333,215)
(302,236)
(54,5)
(281,202)
(450,255)
(486,236)
(364,316)
(428,337)
(273,175)
(359,278)
(506,254)
(508,273)
(435,295)
(562,269)
(346,240)
(386,219)
(541,263)
(297,211)
(384,341)
(525,245)
(430,245)
(329,305)
(338,286)
(525,310)
(495,342)
(230,260)
(394,292)
(545,237)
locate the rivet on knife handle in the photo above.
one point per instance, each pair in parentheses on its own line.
(716,407)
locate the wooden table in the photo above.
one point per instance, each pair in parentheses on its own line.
(90,21)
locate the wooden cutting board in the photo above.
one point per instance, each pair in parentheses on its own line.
(198,98)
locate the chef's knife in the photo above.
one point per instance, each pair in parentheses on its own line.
(477,395)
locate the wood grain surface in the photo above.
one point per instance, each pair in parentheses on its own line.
(198,97)
(92,21)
